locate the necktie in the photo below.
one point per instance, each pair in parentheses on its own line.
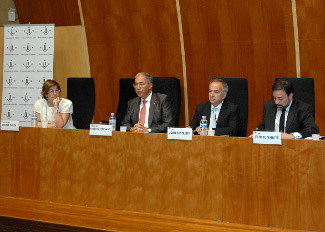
(213,122)
(281,125)
(143,113)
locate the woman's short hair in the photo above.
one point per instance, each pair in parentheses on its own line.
(47,85)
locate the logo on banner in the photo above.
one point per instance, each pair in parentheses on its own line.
(9,98)
(42,81)
(45,48)
(25,115)
(28,31)
(9,115)
(45,64)
(46,31)
(27,65)
(11,65)
(28,48)
(26,98)
(27,81)
(10,81)
(11,48)
(12,32)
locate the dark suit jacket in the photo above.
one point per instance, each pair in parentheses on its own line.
(160,117)
(227,123)
(300,118)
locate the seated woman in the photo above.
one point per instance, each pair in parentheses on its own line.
(52,109)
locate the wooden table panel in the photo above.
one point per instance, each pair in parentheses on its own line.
(217,178)
(283,185)
(28,164)
(194,178)
(241,182)
(311,193)
(9,171)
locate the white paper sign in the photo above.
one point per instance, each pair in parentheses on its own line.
(101,130)
(179,133)
(267,137)
(9,125)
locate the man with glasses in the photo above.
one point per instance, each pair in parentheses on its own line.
(149,112)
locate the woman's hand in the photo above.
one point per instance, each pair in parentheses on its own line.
(56,103)
(52,125)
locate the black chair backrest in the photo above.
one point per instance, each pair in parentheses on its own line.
(303,89)
(165,85)
(238,94)
(81,91)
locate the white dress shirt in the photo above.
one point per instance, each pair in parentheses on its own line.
(214,115)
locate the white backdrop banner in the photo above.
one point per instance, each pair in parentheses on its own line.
(27,63)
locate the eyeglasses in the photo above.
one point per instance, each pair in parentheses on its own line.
(141,84)
(52,91)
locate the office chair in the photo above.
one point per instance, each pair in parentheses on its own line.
(303,89)
(81,91)
(238,94)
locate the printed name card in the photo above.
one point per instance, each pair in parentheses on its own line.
(100,130)
(179,133)
(9,125)
(267,137)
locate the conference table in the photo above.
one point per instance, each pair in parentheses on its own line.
(226,179)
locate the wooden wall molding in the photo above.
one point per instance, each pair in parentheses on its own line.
(181,38)
(296,36)
(70,218)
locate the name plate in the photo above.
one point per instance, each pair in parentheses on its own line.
(100,130)
(9,125)
(179,133)
(267,137)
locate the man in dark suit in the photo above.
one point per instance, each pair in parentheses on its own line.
(224,117)
(286,114)
(149,112)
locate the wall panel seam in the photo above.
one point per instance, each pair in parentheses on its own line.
(84,37)
(181,37)
(296,36)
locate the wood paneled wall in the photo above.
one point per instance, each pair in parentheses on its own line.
(127,37)
(247,39)
(253,39)
(60,12)
(311,19)
(70,55)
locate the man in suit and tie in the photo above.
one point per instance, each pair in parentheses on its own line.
(149,112)
(222,116)
(288,115)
